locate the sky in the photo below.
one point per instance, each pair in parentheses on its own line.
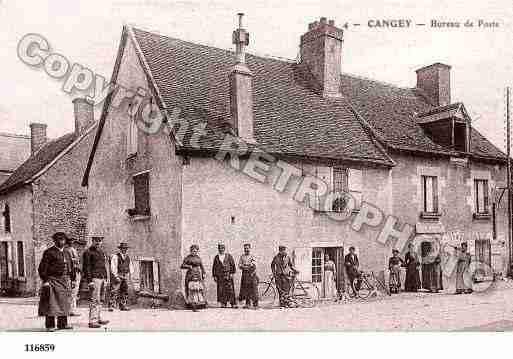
(88,32)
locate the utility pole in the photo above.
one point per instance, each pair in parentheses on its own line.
(508,150)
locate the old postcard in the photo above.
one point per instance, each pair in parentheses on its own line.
(255,166)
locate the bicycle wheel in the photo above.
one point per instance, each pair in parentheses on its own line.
(305,294)
(365,289)
(266,294)
(381,285)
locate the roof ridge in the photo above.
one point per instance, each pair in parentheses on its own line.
(15,135)
(212,46)
(381,82)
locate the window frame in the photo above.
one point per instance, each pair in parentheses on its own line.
(485,197)
(146,211)
(132,138)
(435,203)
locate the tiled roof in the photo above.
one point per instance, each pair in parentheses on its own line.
(14,149)
(37,162)
(289,118)
(392,111)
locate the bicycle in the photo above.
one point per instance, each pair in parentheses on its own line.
(367,285)
(303,294)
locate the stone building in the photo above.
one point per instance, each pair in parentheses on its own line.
(251,148)
(14,150)
(42,196)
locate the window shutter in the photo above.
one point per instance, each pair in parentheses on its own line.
(324,174)
(355,185)
(132,137)
(10,266)
(485,195)
(136,278)
(435,194)
(142,193)
(303,262)
(156,277)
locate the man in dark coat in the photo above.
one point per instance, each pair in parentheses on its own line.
(56,272)
(352,264)
(223,270)
(283,271)
(95,270)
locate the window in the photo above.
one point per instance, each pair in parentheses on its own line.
(146,275)
(131,140)
(142,193)
(341,180)
(339,185)
(460,137)
(7,219)
(481,196)
(317,266)
(21,259)
(430,194)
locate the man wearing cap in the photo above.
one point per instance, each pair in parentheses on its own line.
(352,264)
(249,279)
(95,271)
(223,270)
(283,271)
(121,270)
(56,272)
(71,248)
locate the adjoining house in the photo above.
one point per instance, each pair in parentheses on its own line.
(406,152)
(43,195)
(14,150)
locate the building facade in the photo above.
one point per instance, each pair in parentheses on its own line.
(43,195)
(234,123)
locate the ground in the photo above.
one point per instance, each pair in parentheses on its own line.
(492,310)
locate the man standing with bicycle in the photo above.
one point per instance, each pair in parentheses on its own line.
(352,264)
(283,271)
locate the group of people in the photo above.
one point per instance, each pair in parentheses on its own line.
(223,270)
(61,273)
(431,271)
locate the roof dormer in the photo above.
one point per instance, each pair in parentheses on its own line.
(448,126)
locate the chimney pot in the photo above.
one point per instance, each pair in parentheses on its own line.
(331,22)
(321,56)
(84,114)
(241,88)
(435,82)
(37,136)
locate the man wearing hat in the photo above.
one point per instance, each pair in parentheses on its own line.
(223,270)
(95,271)
(249,279)
(121,270)
(352,265)
(56,272)
(71,248)
(283,271)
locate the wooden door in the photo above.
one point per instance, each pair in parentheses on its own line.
(3,264)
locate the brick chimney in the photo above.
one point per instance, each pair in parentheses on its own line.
(37,136)
(84,114)
(321,53)
(435,81)
(241,87)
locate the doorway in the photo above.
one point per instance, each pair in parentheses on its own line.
(336,254)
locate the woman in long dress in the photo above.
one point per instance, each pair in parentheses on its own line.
(394,265)
(330,273)
(194,288)
(461,269)
(412,264)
